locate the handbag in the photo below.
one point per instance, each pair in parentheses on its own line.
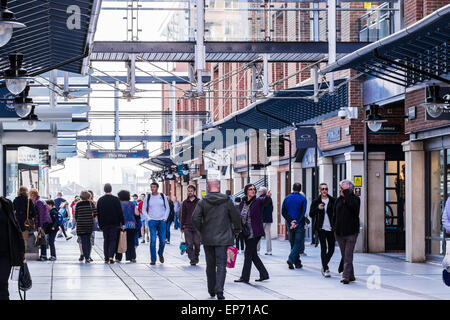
(40,239)
(25,283)
(122,247)
(29,223)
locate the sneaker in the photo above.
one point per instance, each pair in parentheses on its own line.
(87,261)
(161,259)
(81,258)
(68,238)
(322,271)
(90,259)
(60,235)
(167,242)
(327,274)
(52,258)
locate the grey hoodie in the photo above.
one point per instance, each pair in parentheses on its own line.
(217,219)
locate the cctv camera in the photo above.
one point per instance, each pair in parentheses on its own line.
(342,113)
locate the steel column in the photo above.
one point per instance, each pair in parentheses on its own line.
(331,39)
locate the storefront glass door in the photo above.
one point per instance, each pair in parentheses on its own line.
(394,205)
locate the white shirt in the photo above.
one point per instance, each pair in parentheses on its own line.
(326,221)
(156,210)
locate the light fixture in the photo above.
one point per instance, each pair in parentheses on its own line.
(185,170)
(434,103)
(22,104)
(29,122)
(7,23)
(169,174)
(15,77)
(373,120)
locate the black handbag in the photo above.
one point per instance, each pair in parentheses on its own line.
(40,239)
(25,283)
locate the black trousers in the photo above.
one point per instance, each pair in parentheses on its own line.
(63,230)
(131,249)
(86,245)
(251,255)
(110,241)
(240,240)
(327,244)
(5,269)
(216,268)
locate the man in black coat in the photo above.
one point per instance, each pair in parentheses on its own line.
(346,226)
(110,217)
(322,211)
(12,247)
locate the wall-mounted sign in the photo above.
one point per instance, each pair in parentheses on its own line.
(28,156)
(334,134)
(358,192)
(412,113)
(357,181)
(438,113)
(347,130)
(305,138)
(240,157)
(116,154)
(388,128)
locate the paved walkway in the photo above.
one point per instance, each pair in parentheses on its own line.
(68,279)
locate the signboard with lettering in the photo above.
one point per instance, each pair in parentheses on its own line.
(388,128)
(357,181)
(28,156)
(6,106)
(305,138)
(116,154)
(442,113)
(334,134)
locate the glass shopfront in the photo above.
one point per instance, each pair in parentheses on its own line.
(25,166)
(438,182)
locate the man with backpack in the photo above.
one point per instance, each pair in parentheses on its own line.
(157,207)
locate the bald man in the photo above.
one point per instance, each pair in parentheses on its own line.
(218,221)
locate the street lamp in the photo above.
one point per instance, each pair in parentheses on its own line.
(30,121)
(15,77)
(22,104)
(7,23)
(373,120)
(434,103)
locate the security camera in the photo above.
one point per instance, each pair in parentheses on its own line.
(342,113)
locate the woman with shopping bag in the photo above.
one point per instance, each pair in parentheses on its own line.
(84,217)
(127,234)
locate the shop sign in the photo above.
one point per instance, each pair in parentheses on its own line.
(440,114)
(116,154)
(305,138)
(388,128)
(334,134)
(28,156)
(6,106)
(309,159)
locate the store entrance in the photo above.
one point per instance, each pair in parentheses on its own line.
(394,189)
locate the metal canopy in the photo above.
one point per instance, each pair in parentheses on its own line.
(219,51)
(162,160)
(415,54)
(47,42)
(276,113)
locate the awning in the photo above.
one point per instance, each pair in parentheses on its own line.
(58,34)
(415,54)
(162,160)
(281,111)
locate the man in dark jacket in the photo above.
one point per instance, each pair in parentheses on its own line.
(322,210)
(110,217)
(218,221)
(267,221)
(293,211)
(191,235)
(346,225)
(12,247)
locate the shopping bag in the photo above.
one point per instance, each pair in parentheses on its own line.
(15,273)
(182,244)
(122,247)
(231,256)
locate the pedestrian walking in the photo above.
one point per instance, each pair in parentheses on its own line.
(240,241)
(110,218)
(293,211)
(145,233)
(59,200)
(218,221)
(53,229)
(322,210)
(191,234)
(251,209)
(12,247)
(156,206)
(24,209)
(176,208)
(170,219)
(42,219)
(130,212)
(267,221)
(346,224)
(85,212)
(63,217)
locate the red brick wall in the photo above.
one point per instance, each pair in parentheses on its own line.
(415,98)
(414,10)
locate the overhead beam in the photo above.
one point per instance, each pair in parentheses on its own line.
(147,79)
(125,138)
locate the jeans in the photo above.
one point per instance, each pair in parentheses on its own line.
(327,243)
(251,255)
(110,241)
(192,238)
(347,245)
(157,227)
(63,230)
(51,242)
(5,269)
(216,268)
(86,245)
(297,241)
(168,224)
(177,223)
(268,237)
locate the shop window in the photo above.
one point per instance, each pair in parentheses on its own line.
(394,205)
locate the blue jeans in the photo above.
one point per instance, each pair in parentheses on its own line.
(177,223)
(168,224)
(157,226)
(297,241)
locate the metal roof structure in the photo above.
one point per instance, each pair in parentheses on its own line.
(217,51)
(49,40)
(412,55)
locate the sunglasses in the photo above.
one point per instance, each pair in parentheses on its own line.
(324,189)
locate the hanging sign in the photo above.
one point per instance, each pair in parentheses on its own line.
(116,154)
(6,106)
(28,156)
(305,138)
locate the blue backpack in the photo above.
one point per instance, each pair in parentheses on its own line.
(60,217)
